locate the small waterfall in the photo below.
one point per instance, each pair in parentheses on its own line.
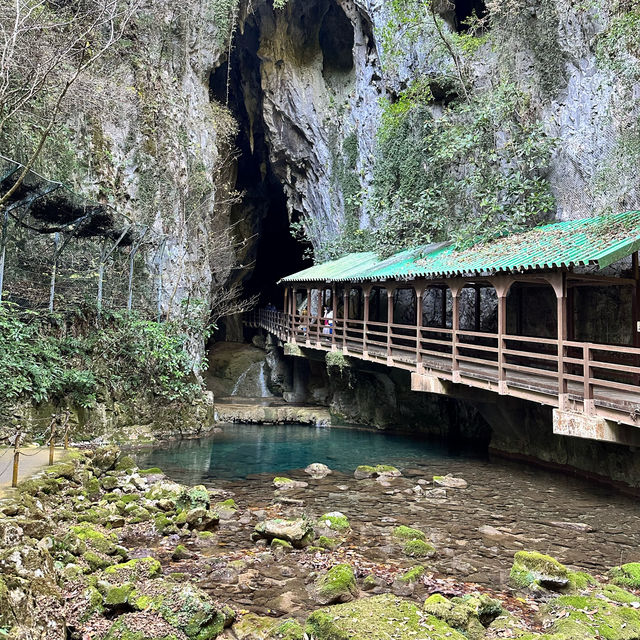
(253,382)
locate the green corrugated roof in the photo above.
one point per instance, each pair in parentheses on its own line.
(600,241)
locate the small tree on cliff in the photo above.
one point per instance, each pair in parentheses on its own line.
(45,47)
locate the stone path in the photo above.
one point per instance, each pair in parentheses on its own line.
(31,462)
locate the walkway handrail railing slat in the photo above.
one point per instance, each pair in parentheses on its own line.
(589,373)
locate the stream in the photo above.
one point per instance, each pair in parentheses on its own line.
(505,508)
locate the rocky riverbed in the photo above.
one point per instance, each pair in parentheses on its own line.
(97,548)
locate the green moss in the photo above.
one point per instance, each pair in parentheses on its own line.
(579,580)
(138,569)
(150,471)
(531,568)
(280,481)
(276,543)
(615,593)
(335,521)
(180,553)
(92,536)
(418,549)
(338,583)
(377,618)
(125,463)
(118,595)
(328,543)
(626,575)
(96,561)
(413,574)
(407,533)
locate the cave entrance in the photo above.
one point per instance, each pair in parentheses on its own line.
(261,217)
(465,10)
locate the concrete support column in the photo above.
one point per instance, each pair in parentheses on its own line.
(455,286)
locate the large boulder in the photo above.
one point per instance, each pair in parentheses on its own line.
(317,470)
(534,570)
(105,459)
(468,614)
(298,532)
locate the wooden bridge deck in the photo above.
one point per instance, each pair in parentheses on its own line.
(600,381)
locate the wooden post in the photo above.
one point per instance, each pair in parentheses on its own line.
(334,313)
(52,441)
(345,314)
(455,287)
(588,405)
(419,296)
(502,284)
(307,337)
(390,294)
(16,459)
(559,283)
(366,291)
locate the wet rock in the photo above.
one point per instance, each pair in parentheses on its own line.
(226,509)
(280,545)
(318,470)
(435,494)
(573,526)
(181,553)
(418,549)
(531,570)
(450,482)
(200,519)
(337,585)
(335,522)
(298,532)
(287,483)
(379,470)
(378,618)
(468,614)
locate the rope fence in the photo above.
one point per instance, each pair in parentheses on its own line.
(59,424)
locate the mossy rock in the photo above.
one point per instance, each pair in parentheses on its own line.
(590,617)
(254,627)
(407,533)
(65,470)
(335,521)
(616,594)
(92,487)
(469,614)
(330,544)
(182,605)
(378,618)
(276,543)
(95,538)
(533,570)
(181,553)
(337,585)
(96,561)
(134,570)
(152,471)
(414,574)
(581,580)
(298,532)
(418,549)
(626,575)
(368,471)
(136,626)
(125,463)
(116,596)
(195,498)
(281,481)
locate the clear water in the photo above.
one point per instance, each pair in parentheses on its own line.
(247,450)
(506,507)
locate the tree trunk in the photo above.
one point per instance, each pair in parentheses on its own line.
(3,248)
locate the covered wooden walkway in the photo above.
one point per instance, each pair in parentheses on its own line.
(550,316)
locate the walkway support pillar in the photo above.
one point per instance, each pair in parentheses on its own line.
(334,314)
(502,284)
(390,294)
(419,295)
(559,283)
(366,293)
(455,286)
(307,319)
(345,315)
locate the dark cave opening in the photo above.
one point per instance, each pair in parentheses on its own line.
(336,41)
(261,216)
(466,9)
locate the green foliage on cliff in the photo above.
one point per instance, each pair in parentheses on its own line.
(474,173)
(66,358)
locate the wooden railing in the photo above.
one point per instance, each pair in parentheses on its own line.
(598,379)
